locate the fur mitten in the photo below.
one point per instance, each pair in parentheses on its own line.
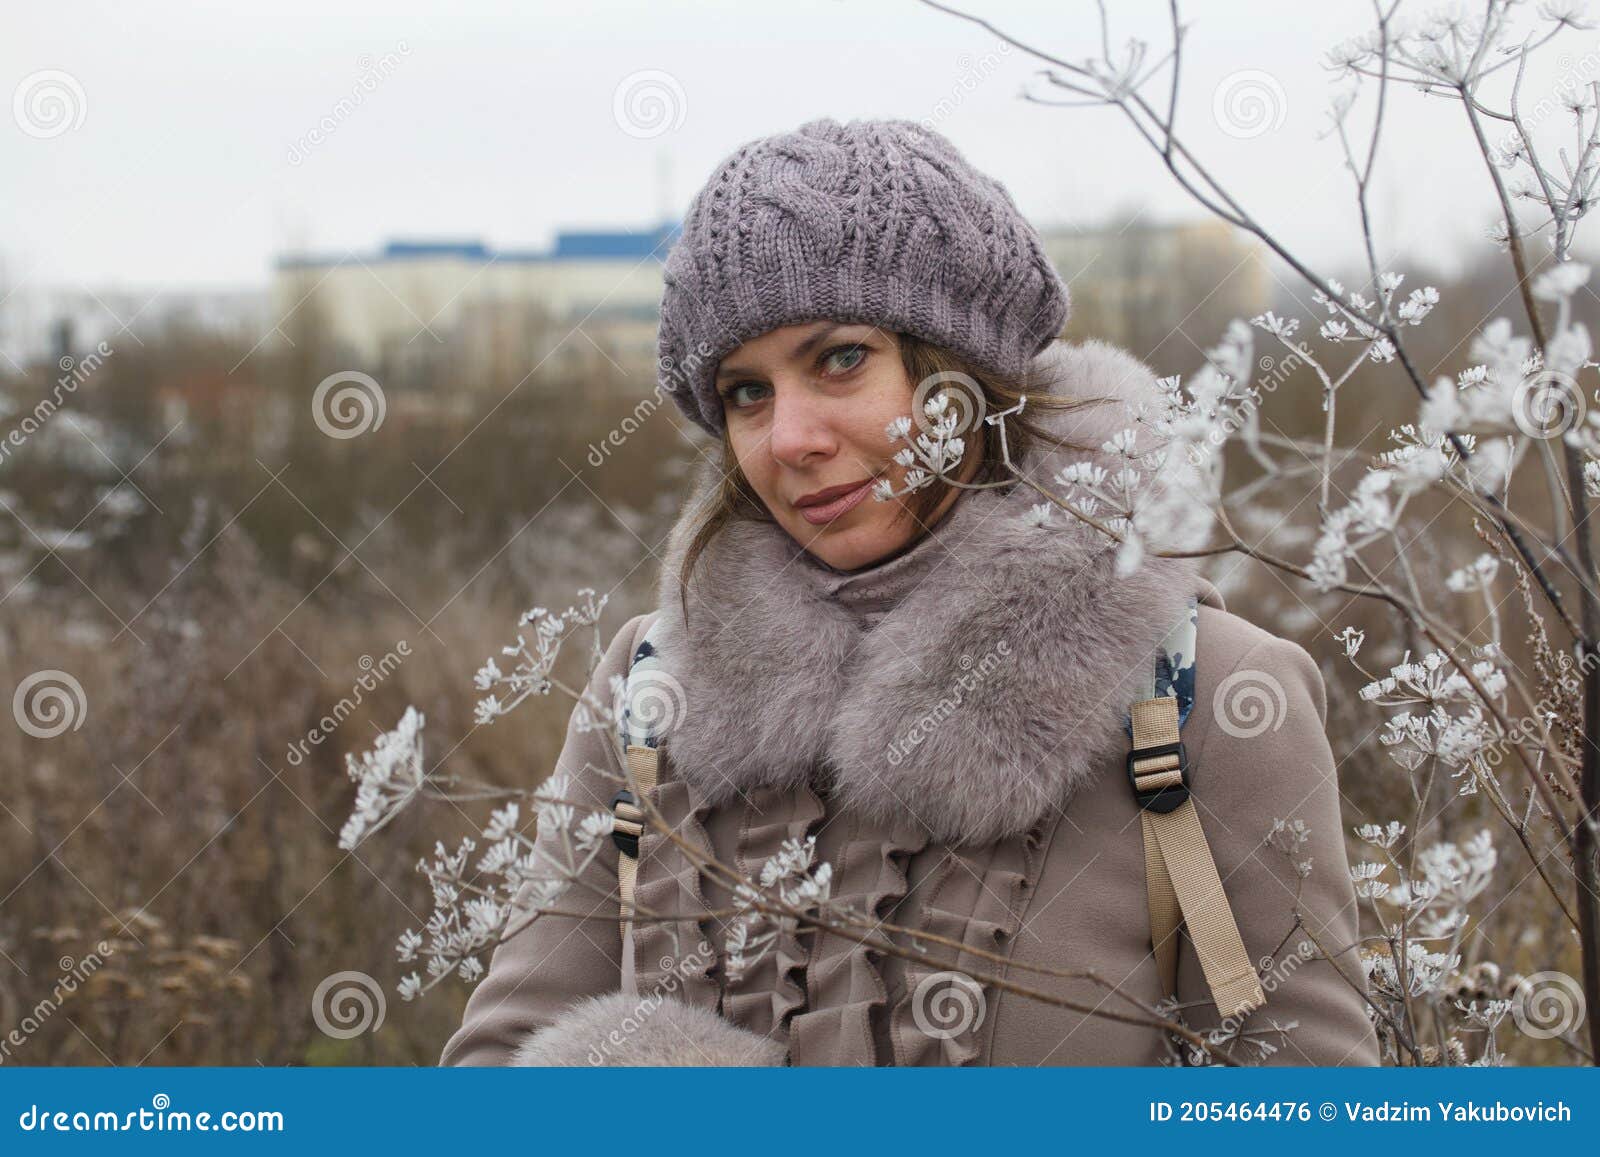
(620,1028)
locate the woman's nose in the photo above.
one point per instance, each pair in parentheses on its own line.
(801,428)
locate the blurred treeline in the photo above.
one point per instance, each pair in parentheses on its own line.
(215,604)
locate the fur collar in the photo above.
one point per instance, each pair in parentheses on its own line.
(973,682)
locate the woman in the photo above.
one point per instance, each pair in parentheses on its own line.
(934,686)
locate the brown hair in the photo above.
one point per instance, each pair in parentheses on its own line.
(734,498)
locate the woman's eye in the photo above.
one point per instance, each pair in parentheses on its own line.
(733,395)
(854,354)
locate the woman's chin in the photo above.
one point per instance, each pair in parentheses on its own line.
(847,547)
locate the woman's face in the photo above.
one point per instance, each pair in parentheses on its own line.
(806,408)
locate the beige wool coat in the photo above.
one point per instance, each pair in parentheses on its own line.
(948,725)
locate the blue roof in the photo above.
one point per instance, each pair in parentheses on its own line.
(571,245)
(401,249)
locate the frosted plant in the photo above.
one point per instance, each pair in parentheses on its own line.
(387,778)
(1369,517)
(478,900)
(1503,718)
(1419,899)
(1291,837)
(800,883)
(936,451)
(1250,1039)
(532,673)
(1449,725)
(1146,485)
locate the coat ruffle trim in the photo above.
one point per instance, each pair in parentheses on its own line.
(674,955)
(844,980)
(979,898)
(769,992)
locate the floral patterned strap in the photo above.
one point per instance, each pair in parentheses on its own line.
(638,713)
(646,707)
(1172,672)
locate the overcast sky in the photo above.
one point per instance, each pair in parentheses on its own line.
(193,164)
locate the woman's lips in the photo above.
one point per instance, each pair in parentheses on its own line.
(817,515)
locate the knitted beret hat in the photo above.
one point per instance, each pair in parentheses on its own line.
(878,222)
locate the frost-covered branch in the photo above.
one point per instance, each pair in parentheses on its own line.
(1465,711)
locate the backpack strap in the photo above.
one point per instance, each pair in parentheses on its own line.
(627,827)
(640,740)
(1181,881)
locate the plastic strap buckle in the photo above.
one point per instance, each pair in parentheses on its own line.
(626,826)
(1168,797)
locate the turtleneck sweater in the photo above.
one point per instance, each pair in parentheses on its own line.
(872,591)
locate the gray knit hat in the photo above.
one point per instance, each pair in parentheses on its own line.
(878,222)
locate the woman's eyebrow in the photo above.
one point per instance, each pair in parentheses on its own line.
(805,346)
